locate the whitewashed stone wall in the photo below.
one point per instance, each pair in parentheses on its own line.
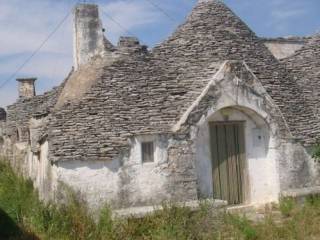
(126,181)
(263,183)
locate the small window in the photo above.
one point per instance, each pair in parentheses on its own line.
(147,152)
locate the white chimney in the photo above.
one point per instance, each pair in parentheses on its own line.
(88,34)
(26,87)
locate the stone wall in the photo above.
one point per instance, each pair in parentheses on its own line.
(297,168)
(127,182)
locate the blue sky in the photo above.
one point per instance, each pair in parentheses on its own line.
(24,24)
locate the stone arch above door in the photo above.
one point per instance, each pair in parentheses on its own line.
(260,177)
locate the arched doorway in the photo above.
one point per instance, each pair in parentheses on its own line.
(236,157)
(227,144)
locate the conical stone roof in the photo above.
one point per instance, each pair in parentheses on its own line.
(213,33)
(148,93)
(305,64)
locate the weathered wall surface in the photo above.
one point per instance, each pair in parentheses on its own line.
(126,181)
(297,168)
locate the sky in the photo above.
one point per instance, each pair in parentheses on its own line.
(25,24)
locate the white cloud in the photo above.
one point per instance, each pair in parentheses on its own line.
(284,11)
(284,14)
(46,65)
(130,15)
(24,25)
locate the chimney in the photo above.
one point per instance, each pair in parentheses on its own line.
(26,87)
(88,34)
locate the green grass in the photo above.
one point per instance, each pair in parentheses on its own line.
(23,216)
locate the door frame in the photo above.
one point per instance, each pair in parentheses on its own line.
(245,170)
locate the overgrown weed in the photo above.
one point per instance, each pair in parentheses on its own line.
(29,218)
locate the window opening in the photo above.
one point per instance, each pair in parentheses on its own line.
(147,149)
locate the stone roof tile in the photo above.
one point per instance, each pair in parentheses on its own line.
(147,93)
(305,65)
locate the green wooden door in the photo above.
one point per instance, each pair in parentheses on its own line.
(228,156)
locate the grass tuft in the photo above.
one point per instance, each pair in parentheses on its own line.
(286,206)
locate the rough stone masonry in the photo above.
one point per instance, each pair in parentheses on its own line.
(132,126)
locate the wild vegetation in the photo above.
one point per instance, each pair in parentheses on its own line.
(316,152)
(23,216)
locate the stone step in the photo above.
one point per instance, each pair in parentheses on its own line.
(138,212)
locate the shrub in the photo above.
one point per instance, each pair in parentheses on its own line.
(286,206)
(244,226)
(25,213)
(316,152)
